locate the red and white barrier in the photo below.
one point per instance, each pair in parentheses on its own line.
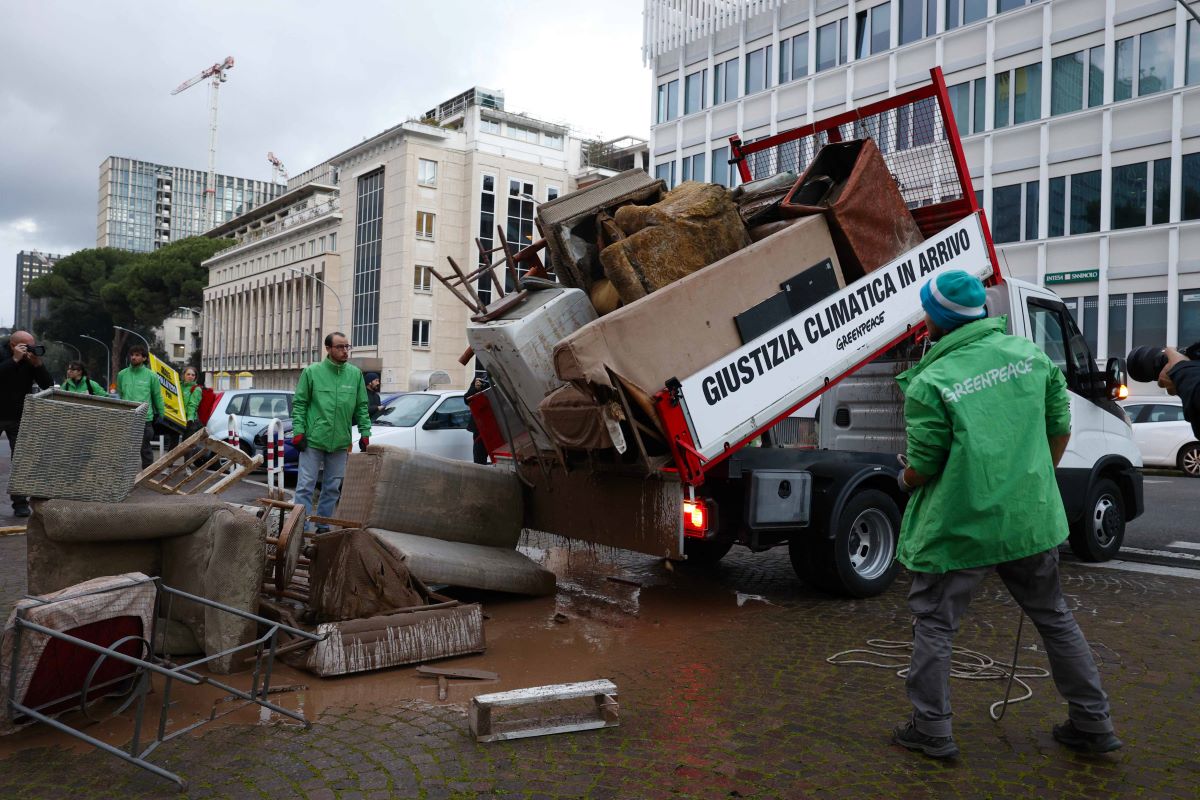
(274,456)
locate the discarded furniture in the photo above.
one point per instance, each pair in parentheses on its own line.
(454,522)
(487,729)
(197,544)
(66,648)
(77,447)
(205,466)
(444,675)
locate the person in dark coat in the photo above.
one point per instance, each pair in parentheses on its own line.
(478,449)
(371,379)
(20,368)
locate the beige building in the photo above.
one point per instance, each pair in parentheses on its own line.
(263,304)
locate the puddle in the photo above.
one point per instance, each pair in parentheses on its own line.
(613,611)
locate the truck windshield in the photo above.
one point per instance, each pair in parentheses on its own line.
(406,411)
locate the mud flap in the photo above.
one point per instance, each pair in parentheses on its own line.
(633,512)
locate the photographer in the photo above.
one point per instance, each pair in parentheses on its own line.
(1181,376)
(20,367)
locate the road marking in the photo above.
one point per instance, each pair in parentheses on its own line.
(1161,553)
(1185,545)
(1153,569)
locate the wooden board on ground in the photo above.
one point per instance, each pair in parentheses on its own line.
(450,672)
(602,692)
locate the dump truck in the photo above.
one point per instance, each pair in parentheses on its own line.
(690,461)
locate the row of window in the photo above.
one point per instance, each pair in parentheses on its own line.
(1143,64)
(1136,319)
(284,255)
(522,133)
(1140,192)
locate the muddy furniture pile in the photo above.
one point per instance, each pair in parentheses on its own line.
(653,285)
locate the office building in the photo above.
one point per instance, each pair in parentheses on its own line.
(1080,120)
(26,310)
(143,206)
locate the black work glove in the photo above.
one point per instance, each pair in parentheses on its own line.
(299,443)
(362,443)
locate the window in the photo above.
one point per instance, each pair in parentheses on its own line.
(1128,196)
(1161,192)
(694,86)
(423,279)
(917,18)
(873,30)
(1085,202)
(1153,52)
(425,221)
(693,167)
(333,241)
(1021,91)
(831,44)
(420,333)
(1190,181)
(177,351)
(1163,413)
(1077,81)
(758,70)
(1191,70)
(666,172)
(720,166)
(426,172)
(489,126)
(1031,210)
(968,99)
(793,58)
(1015,212)
(668,101)
(1084,310)
(964,12)
(554,140)
(519,230)
(725,82)
(182,332)
(452,414)
(487,232)
(1116,326)
(1149,319)
(1189,317)
(321,244)
(524,134)
(368,246)
(1049,332)
(551,193)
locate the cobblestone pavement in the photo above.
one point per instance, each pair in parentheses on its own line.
(718,700)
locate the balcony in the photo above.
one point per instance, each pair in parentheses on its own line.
(306,213)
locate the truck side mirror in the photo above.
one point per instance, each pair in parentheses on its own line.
(1115,380)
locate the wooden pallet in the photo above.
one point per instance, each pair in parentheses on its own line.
(603,692)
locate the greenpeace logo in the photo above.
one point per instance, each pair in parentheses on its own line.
(986,380)
(857,333)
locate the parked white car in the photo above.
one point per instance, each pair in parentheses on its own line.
(254,409)
(1163,435)
(433,421)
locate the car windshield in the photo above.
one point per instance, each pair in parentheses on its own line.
(406,411)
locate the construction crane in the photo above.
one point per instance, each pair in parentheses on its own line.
(278,169)
(217,73)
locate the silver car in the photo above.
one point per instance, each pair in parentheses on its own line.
(254,410)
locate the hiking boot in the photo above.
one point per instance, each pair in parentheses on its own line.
(1067,734)
(933,746)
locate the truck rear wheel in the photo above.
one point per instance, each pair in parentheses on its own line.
(1098,534)
(859,560)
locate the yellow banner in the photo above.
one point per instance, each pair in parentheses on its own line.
(172,392)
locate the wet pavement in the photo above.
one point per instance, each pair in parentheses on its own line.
(725,692)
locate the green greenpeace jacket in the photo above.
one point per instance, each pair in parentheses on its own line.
(192,394)
(330,397)
(83,386)
(980,408)
(141,385)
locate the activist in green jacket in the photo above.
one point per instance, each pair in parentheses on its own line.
(330,397)
(139,384)
(192,394)
(980,408)
(78,381)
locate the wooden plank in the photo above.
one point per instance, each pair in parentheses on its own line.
(546,694)
(546,730)
(471,674)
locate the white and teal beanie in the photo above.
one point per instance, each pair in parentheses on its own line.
(953,298)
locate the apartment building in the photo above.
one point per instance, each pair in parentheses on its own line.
(1080,120)
(26,310)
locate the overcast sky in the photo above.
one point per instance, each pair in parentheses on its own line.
(84,80)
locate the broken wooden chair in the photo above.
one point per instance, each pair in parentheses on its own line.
(206,466)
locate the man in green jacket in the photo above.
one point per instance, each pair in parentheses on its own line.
(330,398)
(988,418)
(139,384)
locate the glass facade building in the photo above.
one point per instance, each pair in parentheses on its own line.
(1080,122)
(144,205)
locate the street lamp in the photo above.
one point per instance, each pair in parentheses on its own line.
(107,355)
(78,354)
(135,333)
(341,319)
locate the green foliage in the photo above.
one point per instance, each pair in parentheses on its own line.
(155,284)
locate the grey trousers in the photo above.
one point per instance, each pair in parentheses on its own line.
(938,600)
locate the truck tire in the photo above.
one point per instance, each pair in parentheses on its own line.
(859,560)
(1098,534)
(705,552)
(1189,459)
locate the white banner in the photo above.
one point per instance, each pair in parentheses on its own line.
(733,397)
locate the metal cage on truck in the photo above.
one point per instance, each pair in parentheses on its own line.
(918,138)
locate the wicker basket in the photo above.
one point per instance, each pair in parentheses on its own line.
(77,447)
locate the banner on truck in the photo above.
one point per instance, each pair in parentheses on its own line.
(734,396)
(172,392)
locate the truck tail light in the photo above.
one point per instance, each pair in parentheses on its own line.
(695,518)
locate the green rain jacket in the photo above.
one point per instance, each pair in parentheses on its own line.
(980,408)
(83,386)
(330,397)
(192,395)
(141,385)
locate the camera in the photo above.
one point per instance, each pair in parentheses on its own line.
(38,349)
(1145,362)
